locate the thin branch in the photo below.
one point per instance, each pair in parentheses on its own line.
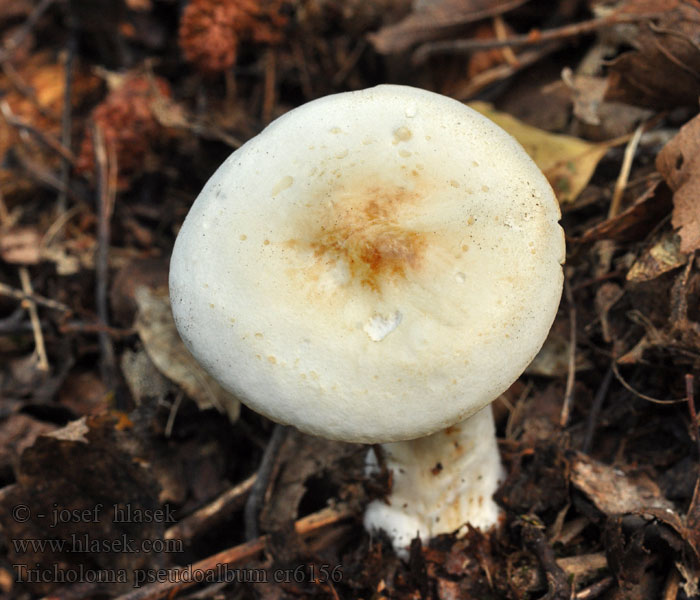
(177,579)
(255,498)
(270,85)
(639,394)
(558,584)
(173,413)
(350,62)
(624,174)
(595,590)
(26,90)
(42,174)
(571,376)
(105,163)
(529,39)
(45,138)
(66,117)
(672,585)
(16,40)
(43,361)
(500,72)
(6,290)
(224,504)
(499,28)
(595,410)
(690,395)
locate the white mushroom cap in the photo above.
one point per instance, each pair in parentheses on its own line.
(374,266)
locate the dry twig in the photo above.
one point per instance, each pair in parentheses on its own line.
(595,590)
(66,120)
(45,138)
(236,555)
(106,191)
(6,290)
(496,74)
(690,395)
(558,584)
(639,394)
(257,492)
(16,40)
(219,508)
(624,174)
(595,410)
(43,361)
(571,376)
(529,39)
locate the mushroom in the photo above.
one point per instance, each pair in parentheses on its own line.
(377,266)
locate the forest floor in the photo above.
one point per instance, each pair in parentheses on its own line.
(114,113)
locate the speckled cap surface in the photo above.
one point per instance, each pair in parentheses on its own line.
(374,266)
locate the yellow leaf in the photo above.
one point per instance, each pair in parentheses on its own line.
(567,162)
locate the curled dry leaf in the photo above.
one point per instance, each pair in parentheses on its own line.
(128,124)
(663,256)
(156,327)
(663,70)
(679,164)
(613,491)
(567,162)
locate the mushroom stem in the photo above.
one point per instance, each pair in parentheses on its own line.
(439,483)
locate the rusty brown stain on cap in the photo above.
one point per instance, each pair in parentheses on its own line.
(364,230)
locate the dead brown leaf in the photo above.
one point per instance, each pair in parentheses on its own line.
(613,491)
(142,377)
(663,256)
(679,164)
(664,69)
(435,20)
(156,327)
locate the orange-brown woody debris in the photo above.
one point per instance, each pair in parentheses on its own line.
(128,124)
(210,30)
